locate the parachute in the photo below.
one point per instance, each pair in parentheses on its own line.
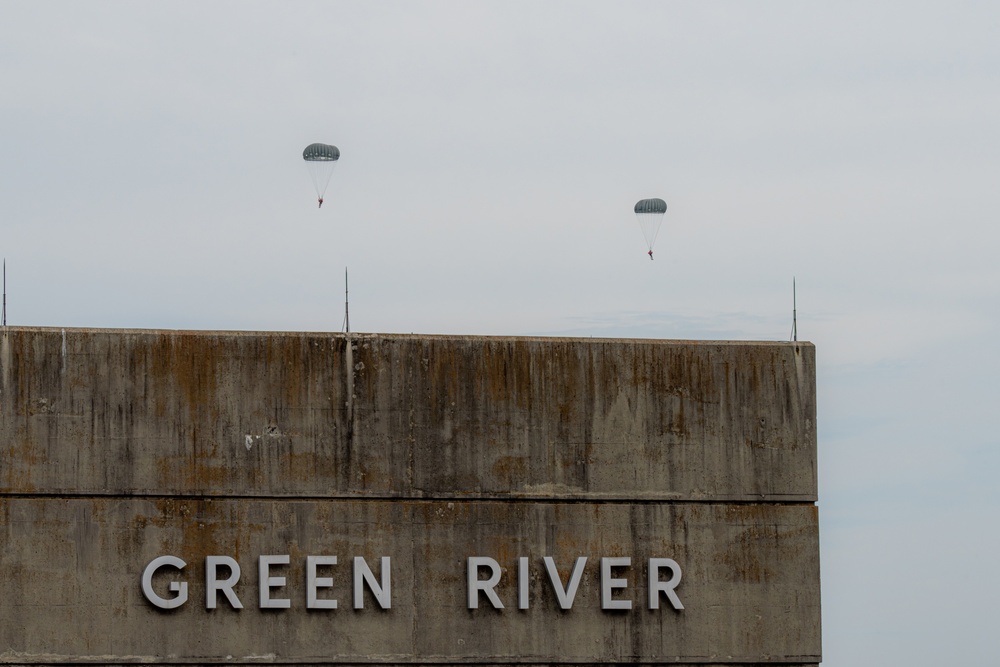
(320,160)
(649,213)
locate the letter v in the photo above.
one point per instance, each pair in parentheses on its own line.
(565,596)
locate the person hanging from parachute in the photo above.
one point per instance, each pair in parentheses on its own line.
(320,160)
(649,214)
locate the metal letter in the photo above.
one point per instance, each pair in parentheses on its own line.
(656,586)
(267,582)
(608,584)
(313,582)
(475,585)
(179,587)
(213,585)
(566,596)
(362,575)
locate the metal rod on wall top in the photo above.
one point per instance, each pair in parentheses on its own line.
(347,316)
(795,326)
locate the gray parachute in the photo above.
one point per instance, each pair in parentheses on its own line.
(320,160)
(649,213)
(655,205)
(321,153)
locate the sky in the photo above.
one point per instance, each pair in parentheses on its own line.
(491,152)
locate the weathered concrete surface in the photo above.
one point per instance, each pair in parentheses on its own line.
(120,446)
(91,411)
(748,586)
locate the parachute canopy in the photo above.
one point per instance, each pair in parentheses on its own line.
(651,206)
(649,213)
(320,160)
(321,153)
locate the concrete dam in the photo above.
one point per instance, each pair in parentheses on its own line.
(188,497)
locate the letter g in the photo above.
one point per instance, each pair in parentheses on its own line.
(179,587)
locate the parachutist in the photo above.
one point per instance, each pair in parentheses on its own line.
(320,160)
(649,215)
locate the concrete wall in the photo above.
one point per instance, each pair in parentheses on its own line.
(120,446)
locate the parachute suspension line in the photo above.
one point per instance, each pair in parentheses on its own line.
(320,172)
(650,225)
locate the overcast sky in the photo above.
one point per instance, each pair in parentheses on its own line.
(491,152)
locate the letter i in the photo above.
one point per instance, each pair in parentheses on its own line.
(522,582)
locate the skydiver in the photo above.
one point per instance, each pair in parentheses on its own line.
(650,255)
(320,202)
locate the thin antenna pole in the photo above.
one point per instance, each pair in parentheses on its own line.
(4,291)
(347,315)
(795,327)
